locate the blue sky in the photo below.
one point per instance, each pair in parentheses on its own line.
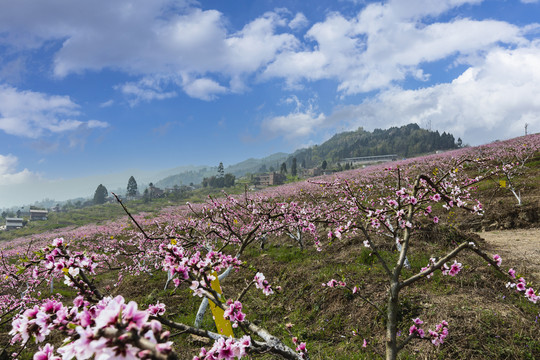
(93,90)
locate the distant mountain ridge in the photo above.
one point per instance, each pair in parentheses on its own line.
(405,141)
(196,176)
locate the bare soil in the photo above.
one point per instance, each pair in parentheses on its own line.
(520,247)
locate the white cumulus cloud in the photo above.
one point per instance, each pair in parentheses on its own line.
(492,99)
(388,42)
(147,89)
(32,114)
(97,124)
(147,38)
(8,173)
(299,21)
(383,44)
(300,123)
(204,89)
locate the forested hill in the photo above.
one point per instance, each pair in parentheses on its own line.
(406,141)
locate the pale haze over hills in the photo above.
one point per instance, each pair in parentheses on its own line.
(408,140)
(92,91)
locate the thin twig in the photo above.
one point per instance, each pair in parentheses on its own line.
(131,217)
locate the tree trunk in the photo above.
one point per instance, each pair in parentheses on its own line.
(391,321)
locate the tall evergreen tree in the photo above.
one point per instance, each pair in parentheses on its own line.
(221,170)
(132,187)
(283,169)
(294,169)
(324,165)
(100,195)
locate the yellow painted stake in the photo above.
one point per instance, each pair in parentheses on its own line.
(223,326)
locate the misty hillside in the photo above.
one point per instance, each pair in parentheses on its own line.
(405,141)
(254,165)
(247,166)
(186,177)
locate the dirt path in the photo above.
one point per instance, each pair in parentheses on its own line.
(519,248)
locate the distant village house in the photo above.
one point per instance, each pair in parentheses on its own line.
(153,192)
(14,223)
(311,172)
(38,214)
(370,159)
(270,179)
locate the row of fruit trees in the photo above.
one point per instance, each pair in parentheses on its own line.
(198,245)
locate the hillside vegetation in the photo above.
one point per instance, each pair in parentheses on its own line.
(313,269)
(405,141)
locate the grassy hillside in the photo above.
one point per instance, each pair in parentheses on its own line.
(486,320)
(99,214)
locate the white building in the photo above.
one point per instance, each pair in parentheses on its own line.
(14,223)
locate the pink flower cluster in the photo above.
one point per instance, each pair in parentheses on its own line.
(226,349)
(521,285)
(58,257)
(415,329)
(453,270)
(300,347)
(262,283)
(60,261)
(497,259)
(531,295)
(234,312)
(437,336)
(38,321)
(185,263)
(440,333)
(109,329)
(156,310)
(46,353)
(334,283)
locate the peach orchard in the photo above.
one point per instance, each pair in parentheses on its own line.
(198,244)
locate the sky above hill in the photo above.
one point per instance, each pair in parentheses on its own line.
(94,88)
